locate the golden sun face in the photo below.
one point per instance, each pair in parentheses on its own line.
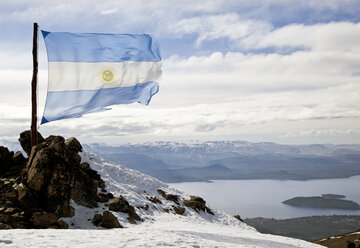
(107,75)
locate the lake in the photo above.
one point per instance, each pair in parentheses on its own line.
(262,198)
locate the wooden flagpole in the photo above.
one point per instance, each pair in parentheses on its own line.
(34,138)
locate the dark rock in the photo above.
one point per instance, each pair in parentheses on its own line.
(119,204)
(146,208)
(169,197)
(179,210)
(351,245)
(55,174)
(97,219)
(238,217)
(25,197)
(18,221)
(84,189)
(198,199)
(198,204)
(154,200)
(19,158)
(73,144)
(5,159)
(109,220)
(62,224)
(43,219)
(104,197)
(173,198)
(4,226)
(85,166)
(38,170)
(25,141)
(161,192)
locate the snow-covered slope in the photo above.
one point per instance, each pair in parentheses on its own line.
(161,226)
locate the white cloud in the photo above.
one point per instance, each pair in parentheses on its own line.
(340,36)
(227,25)
(322,132)
(109,11)
(255,34)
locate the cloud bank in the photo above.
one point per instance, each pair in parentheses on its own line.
(234,69)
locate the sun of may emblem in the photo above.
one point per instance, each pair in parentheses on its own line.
(107,75)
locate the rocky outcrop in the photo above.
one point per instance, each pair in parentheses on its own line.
(25,140)
(179,210)
(36,192)
(197,203)
(238,217)
(43,219)
(154,200)
(169,197)
(119,204)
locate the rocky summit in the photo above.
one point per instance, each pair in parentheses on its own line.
(36,191)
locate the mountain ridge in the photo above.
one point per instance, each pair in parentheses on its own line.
(182,162)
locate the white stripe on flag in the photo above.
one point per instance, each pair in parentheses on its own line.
(73,76)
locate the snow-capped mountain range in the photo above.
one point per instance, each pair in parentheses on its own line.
(195,161)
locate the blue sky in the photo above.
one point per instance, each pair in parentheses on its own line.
(280,71)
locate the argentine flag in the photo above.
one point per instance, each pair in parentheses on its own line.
(89,71)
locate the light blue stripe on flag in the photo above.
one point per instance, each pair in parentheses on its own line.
(88,72)
(90,47)
(72,104)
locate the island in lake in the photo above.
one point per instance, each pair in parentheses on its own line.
(332,201)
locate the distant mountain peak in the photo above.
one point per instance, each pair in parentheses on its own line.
(217,166)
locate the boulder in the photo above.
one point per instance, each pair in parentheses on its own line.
(84,189)
(25,197)
(73,144)
(25,141)
(18,221)
(107,220)
(38,170)
(62,224)
(179,210)
(97,219)
(169,197)
(119,204)
(198,204)
(110,221)
(19,159)
(238,218)
(5,159)
(43,219)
